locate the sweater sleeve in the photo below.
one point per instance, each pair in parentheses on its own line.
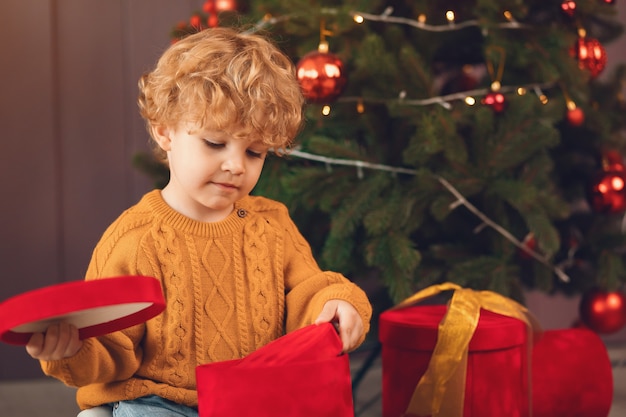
(308,288)
(105,359)
(112,357)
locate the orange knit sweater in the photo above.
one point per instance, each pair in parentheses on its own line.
(230,288)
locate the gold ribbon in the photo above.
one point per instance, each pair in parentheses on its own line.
(441,390)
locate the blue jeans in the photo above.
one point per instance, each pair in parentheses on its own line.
(152,406)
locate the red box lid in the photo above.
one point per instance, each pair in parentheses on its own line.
(96,307)
(416,328)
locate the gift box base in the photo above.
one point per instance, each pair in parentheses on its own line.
(497,367)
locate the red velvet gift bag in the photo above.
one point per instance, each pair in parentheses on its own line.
(301,374)
(427,371)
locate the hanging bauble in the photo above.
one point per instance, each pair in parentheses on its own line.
(607,193)
(569,7)
(495,100)
(195,22)
(575,117)
(321,76)
(591,55)
(603,311)
(209,7)
(212,21)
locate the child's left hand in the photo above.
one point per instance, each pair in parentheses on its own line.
(350,324)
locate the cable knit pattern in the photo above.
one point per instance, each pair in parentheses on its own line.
(169,252)
(230,288)
(198,302)
(258,267)
(220,298)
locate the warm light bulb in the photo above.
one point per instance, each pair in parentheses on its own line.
(450,16)
(421,18)
(358,18)
(326,110)
(613,300)
(569,7)
(360,108)
(225,5)
(597,52)
(470,101)
(617,183)
(521,91)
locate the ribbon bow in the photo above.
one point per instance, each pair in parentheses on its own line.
(441,390)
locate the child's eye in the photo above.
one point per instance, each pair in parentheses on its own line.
(254,154)
(213,145)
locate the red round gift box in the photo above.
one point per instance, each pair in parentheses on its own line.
(497,367)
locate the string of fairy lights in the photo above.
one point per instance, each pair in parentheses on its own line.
(420,22)
(468,97)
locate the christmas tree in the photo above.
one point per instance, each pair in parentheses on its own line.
(465,141)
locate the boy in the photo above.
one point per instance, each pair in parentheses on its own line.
(235,271)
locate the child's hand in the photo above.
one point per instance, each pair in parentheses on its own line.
(348,319)
(58,342)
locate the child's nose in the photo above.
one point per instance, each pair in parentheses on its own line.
(234,163)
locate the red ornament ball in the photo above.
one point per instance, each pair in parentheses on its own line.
(195,22)
(212,21)
(608,191)
(496,101)
(209,6)
(568,7)
(591,55)
(575,117)
(603,311)
(321,76)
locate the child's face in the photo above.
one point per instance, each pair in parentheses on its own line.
(209,171)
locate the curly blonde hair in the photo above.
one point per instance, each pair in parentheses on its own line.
(222,79)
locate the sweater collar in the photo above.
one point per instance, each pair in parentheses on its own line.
(178,221)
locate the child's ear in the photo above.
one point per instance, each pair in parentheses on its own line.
(161,135)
